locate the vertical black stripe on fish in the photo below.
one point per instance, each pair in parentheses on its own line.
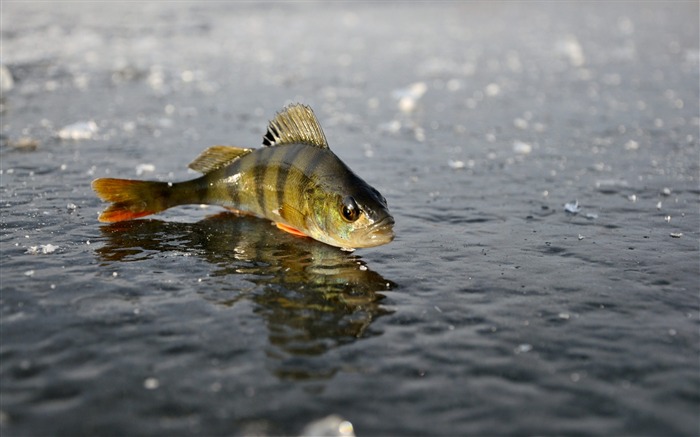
(232,189)
(291,153)
(258,171)
(272,171)
(305,166)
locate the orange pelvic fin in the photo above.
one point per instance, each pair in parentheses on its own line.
(291,230)
(130,198)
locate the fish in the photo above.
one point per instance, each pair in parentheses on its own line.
(294,180)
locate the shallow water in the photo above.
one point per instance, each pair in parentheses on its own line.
(495,311)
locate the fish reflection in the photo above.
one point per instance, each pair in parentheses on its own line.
(312,296)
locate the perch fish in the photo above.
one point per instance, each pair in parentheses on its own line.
(294,180)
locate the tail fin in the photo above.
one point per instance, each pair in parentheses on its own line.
(130,198)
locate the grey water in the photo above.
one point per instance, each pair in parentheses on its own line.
(541,161)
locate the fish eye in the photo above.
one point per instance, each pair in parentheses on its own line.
(350,210)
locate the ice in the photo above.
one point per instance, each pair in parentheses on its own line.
(330,426)
(571,48)
(521,148)
(493,89)
(408,97)
(82,130)
(151,383)
(456,164)
(145,168)
(572,207)
(6,80)
(42,249)
(520,123)
(523,348)
(631,145)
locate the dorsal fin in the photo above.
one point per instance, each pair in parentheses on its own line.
(295,124)
(216,157)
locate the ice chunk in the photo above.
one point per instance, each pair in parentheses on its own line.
(631,145)
(521,148)
(6,80)
(572,207)
(330,426)
(493,89)
(571,48)
(456,164)
(82,130)
(145,168)
(42,248)
(151,383)
(408,97)
(523,348)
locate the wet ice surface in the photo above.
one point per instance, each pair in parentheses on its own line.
(495,311)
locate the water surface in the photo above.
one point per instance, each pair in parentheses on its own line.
(494,312)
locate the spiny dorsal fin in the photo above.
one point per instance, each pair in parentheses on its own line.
(216,157)
(295,124)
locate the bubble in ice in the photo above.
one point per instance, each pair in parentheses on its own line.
(82,130)
(676,234)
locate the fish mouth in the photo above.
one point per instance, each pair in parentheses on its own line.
(381,232)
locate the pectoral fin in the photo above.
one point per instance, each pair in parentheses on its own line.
(291,230)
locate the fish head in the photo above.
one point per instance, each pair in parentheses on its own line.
(355,216)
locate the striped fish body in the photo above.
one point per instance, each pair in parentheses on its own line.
(295,181)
